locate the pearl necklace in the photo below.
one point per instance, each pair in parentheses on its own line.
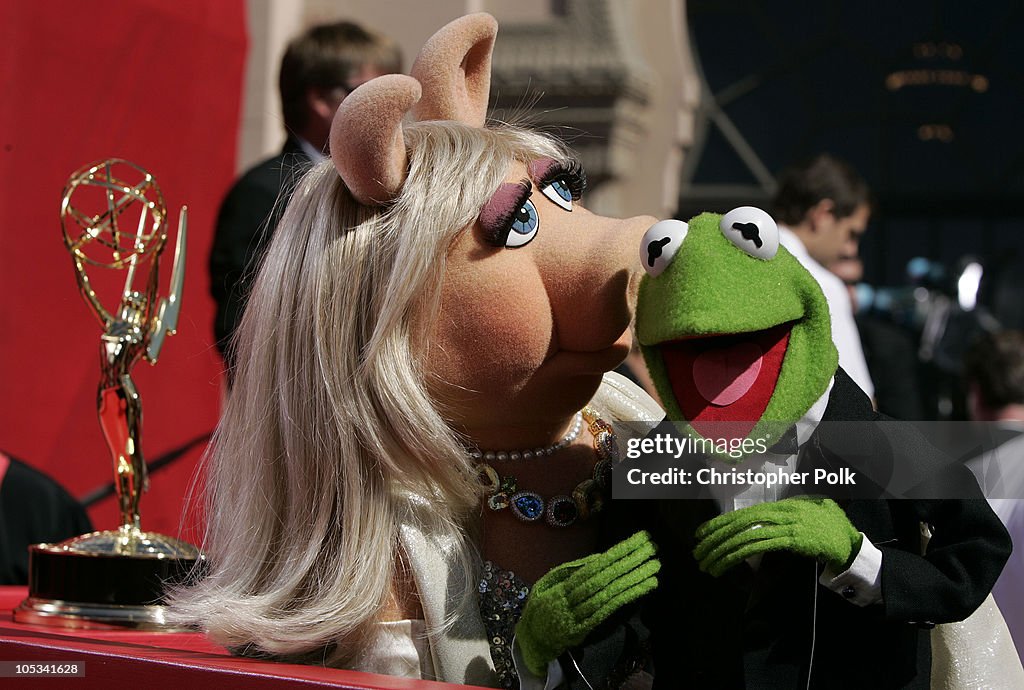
(586,499)
(502,455)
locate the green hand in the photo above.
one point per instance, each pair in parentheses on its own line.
(574,598)
(813,527)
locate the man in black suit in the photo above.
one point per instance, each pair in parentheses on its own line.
(890,351)
(318,70)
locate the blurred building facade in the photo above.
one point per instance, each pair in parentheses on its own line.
(613,78)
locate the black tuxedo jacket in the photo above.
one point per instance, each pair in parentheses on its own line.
(776,626)
(246,221)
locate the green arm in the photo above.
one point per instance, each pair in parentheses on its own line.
(574,598)
(813,527)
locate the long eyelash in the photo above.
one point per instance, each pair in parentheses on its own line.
(571,173)
(498,224)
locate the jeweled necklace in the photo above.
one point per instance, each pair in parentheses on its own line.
(587,497)
(502,455)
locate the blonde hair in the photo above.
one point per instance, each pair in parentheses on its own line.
(330,436)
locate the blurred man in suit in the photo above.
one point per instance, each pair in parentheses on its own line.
(889,351)
(822,207)
(318,70)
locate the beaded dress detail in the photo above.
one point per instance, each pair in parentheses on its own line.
(502,597)
(502,593)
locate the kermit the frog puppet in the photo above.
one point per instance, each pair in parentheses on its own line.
(733,329)
(792,589)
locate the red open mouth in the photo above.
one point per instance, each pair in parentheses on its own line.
(723,383)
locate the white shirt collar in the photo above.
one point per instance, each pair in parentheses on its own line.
(809,422)
(791,241)
(310,151)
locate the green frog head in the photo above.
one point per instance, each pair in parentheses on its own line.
(732,327)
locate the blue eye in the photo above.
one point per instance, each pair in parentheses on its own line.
(525,222)
(558,191)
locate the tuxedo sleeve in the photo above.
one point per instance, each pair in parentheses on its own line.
(963,558)
(968,547)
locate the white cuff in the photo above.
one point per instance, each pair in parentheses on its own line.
(861,583)
(528,681)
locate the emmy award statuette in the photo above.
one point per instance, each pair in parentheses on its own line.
(114,221)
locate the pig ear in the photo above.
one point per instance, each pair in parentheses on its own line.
(367,144)
(454,68)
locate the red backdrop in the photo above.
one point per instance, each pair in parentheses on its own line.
(158,83)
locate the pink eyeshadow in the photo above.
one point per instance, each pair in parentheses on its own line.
(539,168)
(500,206)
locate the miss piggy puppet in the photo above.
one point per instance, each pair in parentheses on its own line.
(420,423)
